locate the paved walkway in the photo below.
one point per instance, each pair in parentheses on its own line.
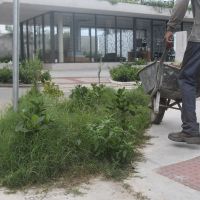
(170,171)
(6,96)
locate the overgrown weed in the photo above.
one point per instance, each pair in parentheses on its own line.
(95,131)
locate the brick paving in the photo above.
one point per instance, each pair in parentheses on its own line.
(186,172)
(80,80)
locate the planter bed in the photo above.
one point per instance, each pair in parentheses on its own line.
(21,85)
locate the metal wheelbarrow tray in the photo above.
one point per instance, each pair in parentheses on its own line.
(160,80)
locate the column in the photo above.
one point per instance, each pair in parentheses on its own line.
(52,35)
(60,39)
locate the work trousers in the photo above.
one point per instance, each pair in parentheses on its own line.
(188,82)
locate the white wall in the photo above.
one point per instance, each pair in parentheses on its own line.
(5,45)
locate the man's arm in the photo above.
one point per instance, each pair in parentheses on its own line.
(176,18)
(178,14)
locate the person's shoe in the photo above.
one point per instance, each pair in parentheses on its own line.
(179,136)
(193,139)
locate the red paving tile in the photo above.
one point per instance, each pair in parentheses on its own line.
(186,172)
(79,80)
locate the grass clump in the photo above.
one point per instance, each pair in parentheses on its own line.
(96,130)
(125,73)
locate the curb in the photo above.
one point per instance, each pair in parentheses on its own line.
(132,83)
(8,85)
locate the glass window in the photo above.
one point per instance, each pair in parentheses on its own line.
(101,42)
(143,39)
(106,38)
(64,40)
(159,28)
(68,39)
(31,38)
(76,39)
(119,42)
(93,53)
(38,34)
(84,23)
(25,40)
(47,38)
(110,40)
(68,43)
(85,42)
(127,45)
(125,39)
(56,43)
(104,21)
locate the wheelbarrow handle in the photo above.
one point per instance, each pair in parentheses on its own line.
(162,59)
(159,68)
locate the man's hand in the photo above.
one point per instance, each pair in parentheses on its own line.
(169,39)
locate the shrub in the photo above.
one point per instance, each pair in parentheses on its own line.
(5,59)
(45,76)
(30,72)
(140,62)
(85,97)
(125,73)
(112,142)
(5,75)
(51,89)
(50,136)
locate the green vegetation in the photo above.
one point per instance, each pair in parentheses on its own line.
(158,3)
(51,89)
(94,131)
(154,3)
(140,61)
(5,59)
(30,71)
(5,75)
(125,72)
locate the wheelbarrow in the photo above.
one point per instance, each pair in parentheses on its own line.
(160,81)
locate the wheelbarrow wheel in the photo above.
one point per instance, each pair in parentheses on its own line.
(156,118)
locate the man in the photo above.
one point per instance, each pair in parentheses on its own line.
(189,73)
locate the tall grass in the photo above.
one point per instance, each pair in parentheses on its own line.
(50,136)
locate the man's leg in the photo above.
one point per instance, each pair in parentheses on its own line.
(188,81)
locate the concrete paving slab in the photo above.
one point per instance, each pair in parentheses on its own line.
(80,72)
(162,152)
(6,94)
(96,189)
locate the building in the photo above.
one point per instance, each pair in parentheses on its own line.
(70,31)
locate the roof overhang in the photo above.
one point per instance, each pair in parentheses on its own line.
(32,8)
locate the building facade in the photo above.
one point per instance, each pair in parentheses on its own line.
(89,31)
